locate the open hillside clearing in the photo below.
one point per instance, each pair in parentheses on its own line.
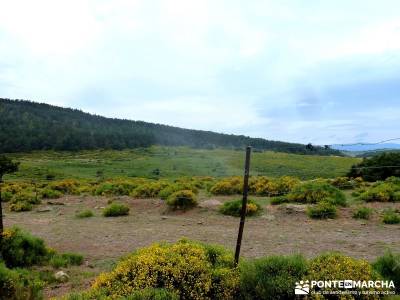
(174,162)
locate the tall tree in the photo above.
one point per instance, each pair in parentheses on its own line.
(7,166)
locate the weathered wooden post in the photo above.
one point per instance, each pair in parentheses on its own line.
(244,204)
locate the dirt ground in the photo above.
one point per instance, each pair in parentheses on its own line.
(103,240)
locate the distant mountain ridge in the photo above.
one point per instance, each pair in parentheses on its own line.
(367,147)
(27,126)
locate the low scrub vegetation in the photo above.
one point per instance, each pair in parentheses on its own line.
(21,252)
(87,213)
(184,199)
(234,207)
(258,185)
(189,269)
(19,284)
(116,210)
(21,206)
(271,277)
(65,260)
(192,270)
(314,192)
(383,191)
(390,216)
(331,266)
(21,249)
(388,266)
(322,210)
(363,213)
(346,183)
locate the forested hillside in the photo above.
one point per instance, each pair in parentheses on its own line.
(27,126)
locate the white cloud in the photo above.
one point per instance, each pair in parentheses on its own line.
(217,65)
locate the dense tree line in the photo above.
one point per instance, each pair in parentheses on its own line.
(378,167)
(26,126)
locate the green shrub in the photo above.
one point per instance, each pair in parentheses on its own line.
(115,210)
(117,187)
(6,196)
(331,266)
(373,169)
(388,266)
(50,194)
(143,294)
(322,210)
(19,284)
(279,200)
(148,190)
(25,196)
(363,213)
(87,213)
(184,268)
(66,186)
(382,192)
(65,260)
(233,208)
(184,199)
(346,183)
(314,192)
(21,206)
(391,217)
(21,249)
(172,188)
(152,294)
(264,186)
(272,277)
(396,196)
(228,186)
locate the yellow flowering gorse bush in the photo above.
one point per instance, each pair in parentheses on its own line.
(336,266)
(186,268)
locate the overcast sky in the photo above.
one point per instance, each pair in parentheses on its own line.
(305,71)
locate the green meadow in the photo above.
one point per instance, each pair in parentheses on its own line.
(173,162)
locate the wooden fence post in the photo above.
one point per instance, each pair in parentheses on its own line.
(244,204)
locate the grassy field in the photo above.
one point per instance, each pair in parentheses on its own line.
(174,162)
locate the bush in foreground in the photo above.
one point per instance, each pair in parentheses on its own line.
(184,199)
(152,294)
(331,266)
(19,284)
(21,249)
(388,266)
(272,277)
(145,294)
(115,210)
(233,208)
(190,269)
